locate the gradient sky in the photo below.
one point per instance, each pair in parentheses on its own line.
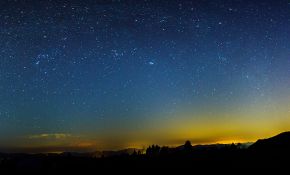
(111,74)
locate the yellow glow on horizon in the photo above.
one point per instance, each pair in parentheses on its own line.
(236,126)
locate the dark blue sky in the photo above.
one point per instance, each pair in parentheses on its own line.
(119,73)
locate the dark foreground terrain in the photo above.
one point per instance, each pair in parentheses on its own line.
(262,156)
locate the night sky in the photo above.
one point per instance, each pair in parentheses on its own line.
(112,74)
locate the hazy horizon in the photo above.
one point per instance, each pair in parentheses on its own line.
(93,148)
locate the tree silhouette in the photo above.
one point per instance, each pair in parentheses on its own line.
(187,146)
(153,150)
(134,153)
(164,150)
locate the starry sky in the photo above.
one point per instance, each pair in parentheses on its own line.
(112,74)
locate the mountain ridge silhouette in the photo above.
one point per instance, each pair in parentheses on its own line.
(277,142)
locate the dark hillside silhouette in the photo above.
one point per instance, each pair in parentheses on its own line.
(278,142)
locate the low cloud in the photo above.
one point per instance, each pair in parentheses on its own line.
(50,136)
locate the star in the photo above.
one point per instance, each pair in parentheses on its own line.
(151,63)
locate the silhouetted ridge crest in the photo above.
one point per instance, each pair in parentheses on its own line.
(278,142)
